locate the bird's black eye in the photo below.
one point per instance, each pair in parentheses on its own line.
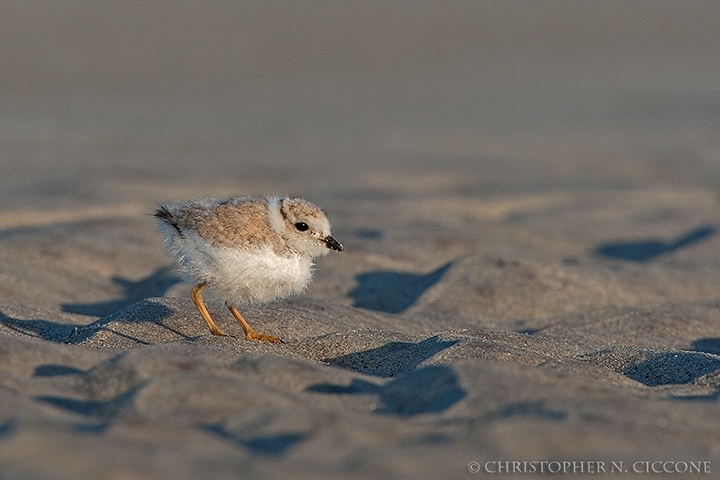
(301,226)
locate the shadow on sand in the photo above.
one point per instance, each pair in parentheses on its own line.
(431,389)
(646,250)
(413,390)
(406,356)
(100,414)
(672,368)
(134,294)
(154,285)
(268,445)
(393,292)
(58,332)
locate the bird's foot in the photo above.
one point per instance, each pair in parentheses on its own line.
(253,335)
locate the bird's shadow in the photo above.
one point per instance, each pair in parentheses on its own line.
(645,250)
(73,334)
(45,329)
(154,285)
(393,292)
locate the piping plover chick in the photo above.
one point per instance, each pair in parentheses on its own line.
(248,250)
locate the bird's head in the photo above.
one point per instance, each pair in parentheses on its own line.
(306,228)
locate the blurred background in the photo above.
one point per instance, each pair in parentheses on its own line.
(106,102)
(508,166)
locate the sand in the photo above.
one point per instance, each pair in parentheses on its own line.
(528,200)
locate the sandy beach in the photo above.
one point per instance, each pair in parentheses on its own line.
(527,194)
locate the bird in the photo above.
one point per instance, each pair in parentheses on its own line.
(246,249)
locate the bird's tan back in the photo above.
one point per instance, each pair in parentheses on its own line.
(241,222)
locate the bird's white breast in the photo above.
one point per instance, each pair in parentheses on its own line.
(242,275)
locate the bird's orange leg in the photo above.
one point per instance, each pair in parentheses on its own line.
(250,334)
(196,295)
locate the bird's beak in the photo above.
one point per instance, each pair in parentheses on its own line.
(333,244)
